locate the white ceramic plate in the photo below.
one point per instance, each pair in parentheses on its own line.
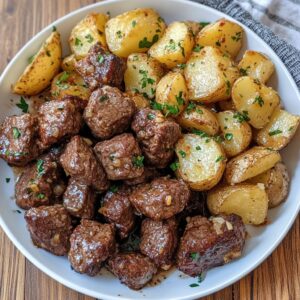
(262,240)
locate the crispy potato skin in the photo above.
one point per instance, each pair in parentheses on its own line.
(250,164)
(210,75)
(249,201)
(68,63)
(45,65)
(224,34)
(201,161)
(134,31)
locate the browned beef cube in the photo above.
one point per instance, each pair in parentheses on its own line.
(208,243)
(50,228)
(58,119)
(108,112)
(159,241)
(101,67)
(133,269)
(117,209)
(160,199)
(91,245)
(79,199)
(79,161)
(121,157)
(148,174)
(18,139)
(157,136)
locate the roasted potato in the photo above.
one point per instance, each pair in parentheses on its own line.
(276,182)
(139,100)
(44,66)
(256,65)
(250,164)
(68,63)
(237,134)
(249,201)
(199,117)
(226,105)
(195,27)
(69,84)
(134,31)
(279,131)
(171,93)
(210,75)
(175,46)
(87,33)
(224,34)
(255,101)
(201,161)
(142,74)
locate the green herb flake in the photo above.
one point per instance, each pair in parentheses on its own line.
(78,42)
(113,188)
(218,43)
(16,133)
(41,196)
(201,277)
(7,180)
(62,78)
(171,109)
(259,100)
(179,98)
(23,105)
(53,28)
(197,48)
(119,34)
(291,128)
(174,166)
(156,106)
(133,23)
(40,167)
(195,255)
(241,117)
(220,158)
(89,38)
(194,285)
(103,98)
(237,36)
(275,132)
(17,211)
(31,58)
(182,153)
(228,136)
(48,53)
(203,24)
(150,116)
(160,19)
(198,148)
(144,43)
(244,72)
(190,107)
(228,85)
(100,59)
(200,133)
(181,48)
(145,80)
(138,161)
(181,66)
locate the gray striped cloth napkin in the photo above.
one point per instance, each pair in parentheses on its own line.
(287,53)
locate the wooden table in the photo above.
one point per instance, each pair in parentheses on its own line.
(277,278)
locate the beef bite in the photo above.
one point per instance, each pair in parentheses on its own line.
(159,241)
(121,157)
(79,161)
(79,199)
(100,67)
(157,136)
(50,228)
(59,119)
(207,243)
(117,209)
(18,139)
(91,244)
(108,112)
(133,269)
(160,199)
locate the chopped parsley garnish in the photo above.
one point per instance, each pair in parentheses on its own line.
(17,211)
(119,34)
(138,161)
(256,81)
(220,158)
(174,166)
(237,36)
(53,28)
(244,72)
(182,49)
(195,256)
(133,23)
(241,117)
(182,153)
(16,133)
(179,98)
(31,58)
(259,100)
(48,53)
(23,105)
(7,180)
(181,66)
(150,116)
(218,43)
(40,167)
(103,98)
(171,45)
(145,80)
(218,138)
(197,48)
(227,86)
(190,107)
(144,43)
(156,106)
(113,188)
(41,196)
(203,24)
(275,132)
(194,285)
(291,128)
(228,136)
(200,133)
(198,148)
(89,38)
(100,59)
(171,109)
(160,19)
(78,42)
(62,78)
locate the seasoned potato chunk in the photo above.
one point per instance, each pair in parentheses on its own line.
(249,201)
(142,75)
(139,100)
(199,117)
(210,75)
(175,46)
(134,31)
(68,63)
(201,161)
(279,131)
(251,163)
(195,27)
(256,65)
(276,181)
(254,100)
(237,133)
(224,34)
(87,33)
(44,66)
(171,93)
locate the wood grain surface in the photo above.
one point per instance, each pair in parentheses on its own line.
(278,278)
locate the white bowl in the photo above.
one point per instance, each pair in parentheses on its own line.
(262,240)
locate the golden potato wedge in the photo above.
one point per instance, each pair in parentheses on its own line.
(87,33)
(224,34)
(210,75)
(142,74)
(254,100)
(256,65)
(175,46)
(279,131)
(171,93)
(195,27)
(44,66)
(249,201)
(139,100)
(199,117)
(69,84)
(226,105)
(68,63)
(237,134)
(134,31)
(250,164)
(201,161)
(276,182)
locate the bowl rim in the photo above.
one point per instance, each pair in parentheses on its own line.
(86,291)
